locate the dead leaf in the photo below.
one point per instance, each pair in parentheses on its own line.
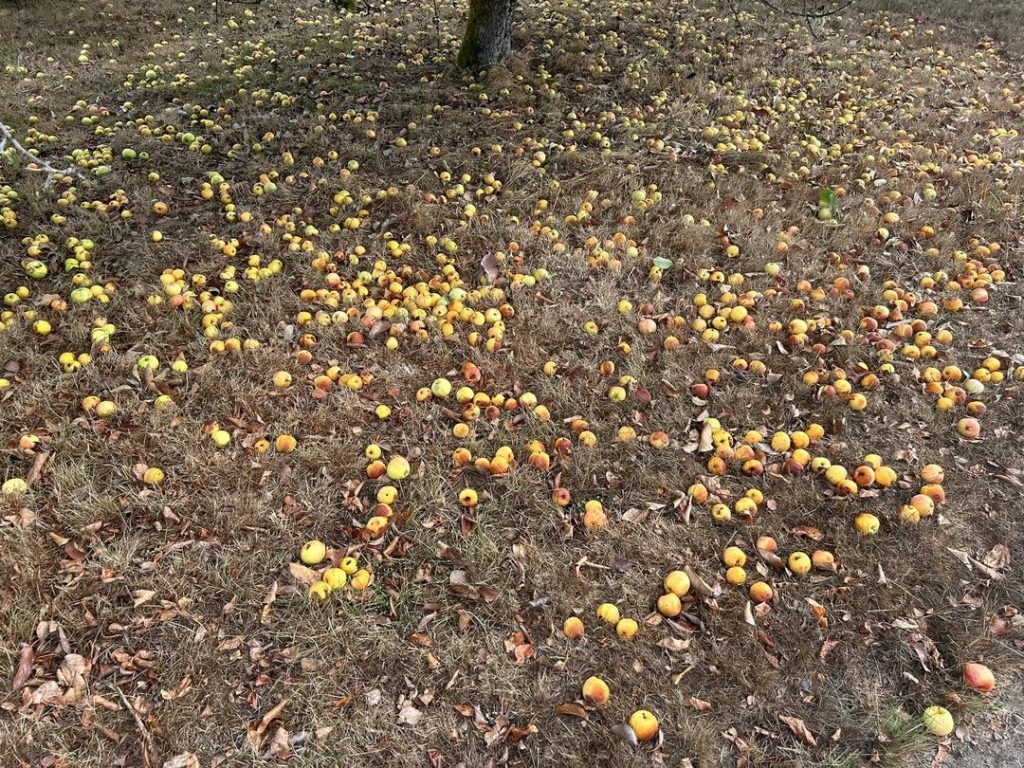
(674,644)
(303,574)
(458,582)
(827,647)
(634,515)
(184,760)
(515,735)
(698,704)
(572,709)
(974,564)
(72,667)
(796,725)
(280,746)
(962,556)
(707,441)
(490,265)
(808,531)
(142,596)
(997,557)
(700,586)
(37,469)
(24,671)
(48,693)
(771,558)
(257,731)
(268,601)
(523,652)
(409,715)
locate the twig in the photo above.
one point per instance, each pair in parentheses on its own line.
(437,22)
(41,166)
(735,10)
(806,13)
(809,23)
(148,760)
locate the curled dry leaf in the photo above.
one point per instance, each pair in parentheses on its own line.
(303,574)
(24,670)
(280,745)
(409,715)
(257,730)
(573,709)
(707,441)
(515,735)
(699,585)
(997,557)
(634,515)
(698,704)
(799,729)
(809,532)
(268,602)
(674,644)
(490,265)
(771,558)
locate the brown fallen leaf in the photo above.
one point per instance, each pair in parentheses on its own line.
(257,730)
(280,746)
(698,704)
(515,735)
(24,670)
(700,586)
(997,557)
(771,558)
(268,602)
(490,265)
(37,469)
(184,760)
(799,729)
(827,647)
(303,574)
(808,531)
(707,441)
(683,505)
(674,644)
(458,582)
(572,709)
(634,515)
(409,715)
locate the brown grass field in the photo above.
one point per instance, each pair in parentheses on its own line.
(734,281)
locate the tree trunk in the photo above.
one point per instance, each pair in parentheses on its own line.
(488,38)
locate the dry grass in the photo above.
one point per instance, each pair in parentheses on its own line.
(200,658)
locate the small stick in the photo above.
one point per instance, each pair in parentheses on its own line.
(148,761)
(7,138)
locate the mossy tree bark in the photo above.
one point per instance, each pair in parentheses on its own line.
(488,38)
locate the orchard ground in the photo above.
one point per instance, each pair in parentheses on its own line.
(732,284)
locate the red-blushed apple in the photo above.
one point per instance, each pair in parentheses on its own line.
(978,677)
